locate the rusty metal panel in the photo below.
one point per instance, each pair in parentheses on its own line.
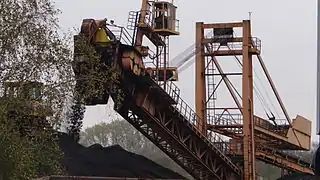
(299,139)
(130,57)
(144,101)
(300,133)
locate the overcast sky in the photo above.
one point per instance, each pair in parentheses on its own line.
(286,28)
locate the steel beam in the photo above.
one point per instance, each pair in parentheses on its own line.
(223,25)
(200,97)
(215,40)
(247,105)
(254,51)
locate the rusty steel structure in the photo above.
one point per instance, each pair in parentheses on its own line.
(212,142)
(251,136)
(223,33)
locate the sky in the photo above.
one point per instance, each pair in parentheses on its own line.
(286,28)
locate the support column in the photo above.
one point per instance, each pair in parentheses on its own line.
(247,104)
(200,79)
(143,13)
(165,63)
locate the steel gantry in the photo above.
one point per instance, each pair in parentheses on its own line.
(223,34)
(250,136)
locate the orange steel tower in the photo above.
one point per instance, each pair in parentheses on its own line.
(252,137)
(224,34)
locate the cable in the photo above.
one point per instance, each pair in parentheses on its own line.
(258,93)
(263,99)
(268,97)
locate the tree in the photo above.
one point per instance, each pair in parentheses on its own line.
(75,116)
(117,132)
(32,51)
(15,156)
(120,132)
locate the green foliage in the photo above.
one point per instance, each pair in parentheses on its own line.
(31,49)
(75,120)
(27,156)
(16,160)
(47,155)
(116,132)
(29,147)
(95,78)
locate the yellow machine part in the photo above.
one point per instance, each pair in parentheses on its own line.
(101,37)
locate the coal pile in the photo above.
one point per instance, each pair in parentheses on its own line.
(111,161)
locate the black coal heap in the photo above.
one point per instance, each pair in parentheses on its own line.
(111,161)
(114,161)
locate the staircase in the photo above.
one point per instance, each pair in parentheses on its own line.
(211,86)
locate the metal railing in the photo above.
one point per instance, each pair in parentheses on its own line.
(281,127)
(149,20)
(172,90)
(228,119)
(132,20)
(255,42)
(177,23)
(237,119)
(189,114)
(121,34)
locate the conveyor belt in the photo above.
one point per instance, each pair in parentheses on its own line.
(279,159)
(165,119)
